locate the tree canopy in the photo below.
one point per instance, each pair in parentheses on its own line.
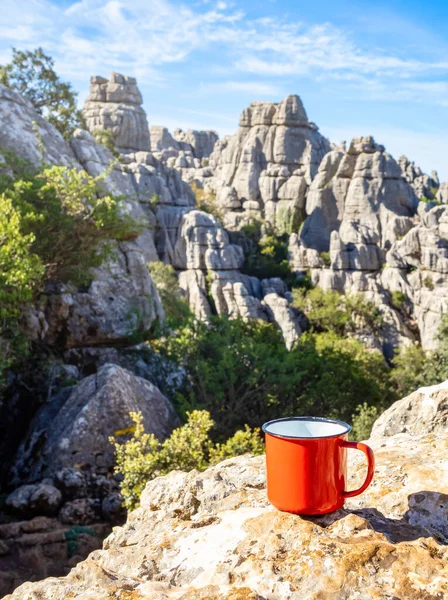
(32,74)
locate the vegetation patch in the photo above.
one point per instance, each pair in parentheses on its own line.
(142,457)
(32,74)
(55,223)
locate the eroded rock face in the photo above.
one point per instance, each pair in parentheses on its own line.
(201,142)
(214,535)
(115,104)
(43,546)
(423,184)
(422,412)
(442,193)
(83,420)
(362,214)
(265,168)
(22,128)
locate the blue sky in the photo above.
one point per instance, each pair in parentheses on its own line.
(361,67)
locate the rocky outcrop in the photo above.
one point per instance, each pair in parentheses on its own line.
(194,144)
(361,214)
(424,185)
(187,152)
(423,411)
(122,300)
(115,105)
(442,193)
(22,129)
(281,313)
(41,547)
(214,535)
(361,195)
(265,168)
(201,142)
(417,267)
(83,418)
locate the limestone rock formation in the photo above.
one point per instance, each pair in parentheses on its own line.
(22,127)
(284,316)
(424,185)
(214,535)
(82,421)
(202,142)
(186,151)
(424,411)
(194,144)
(123,296)
(267,166)
(442,193)
(115,104)
(360,210)
(417,266)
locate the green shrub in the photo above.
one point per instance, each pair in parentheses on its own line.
(398,299)
(242,373)
(326,259)
(106,138)
(253,230)
(242,442)
(330,311)
(431,200)
(363,420)
(324,310)
(177,309)
(428,283)
(206,201)
(268,256)
(414,368)
(56,223)
(73,222)
(142,457)
(31,73)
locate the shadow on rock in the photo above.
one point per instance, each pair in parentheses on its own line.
(427,516)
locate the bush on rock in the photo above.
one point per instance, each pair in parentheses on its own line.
(143,457)
(241,372)
(31,73)
(54,224)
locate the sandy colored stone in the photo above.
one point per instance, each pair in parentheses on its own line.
(214,535)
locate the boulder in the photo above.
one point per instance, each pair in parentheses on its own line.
(423,412)
(79,512)
(33,500)
(120,301)
(74,431)
(215,535)
(115,105)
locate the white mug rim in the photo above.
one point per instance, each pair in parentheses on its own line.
(346,427)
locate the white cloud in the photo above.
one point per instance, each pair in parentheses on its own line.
(261,57)
(114,34)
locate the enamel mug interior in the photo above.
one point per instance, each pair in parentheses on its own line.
(306,428)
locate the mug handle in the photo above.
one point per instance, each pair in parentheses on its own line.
(370,467)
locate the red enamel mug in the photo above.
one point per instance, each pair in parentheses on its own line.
(306,463)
